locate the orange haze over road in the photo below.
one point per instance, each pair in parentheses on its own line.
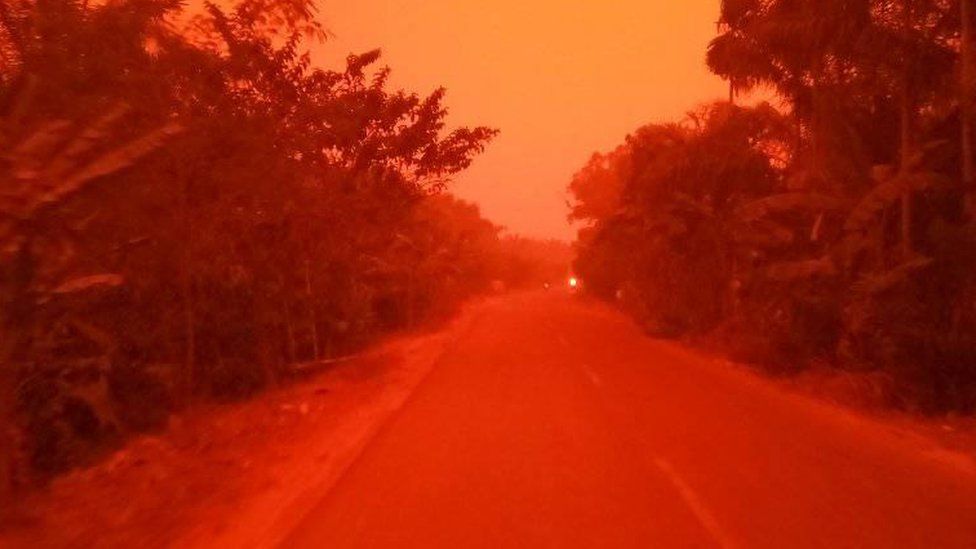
(554,422)
(560,79)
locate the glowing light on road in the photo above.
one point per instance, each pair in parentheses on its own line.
(573,282)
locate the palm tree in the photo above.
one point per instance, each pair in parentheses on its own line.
(966,105)
(47,164)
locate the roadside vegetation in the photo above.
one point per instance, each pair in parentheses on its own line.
(189,208)
(835,229)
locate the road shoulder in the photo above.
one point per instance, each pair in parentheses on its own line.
(237,475)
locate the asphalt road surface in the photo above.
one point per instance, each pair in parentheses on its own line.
(553,422)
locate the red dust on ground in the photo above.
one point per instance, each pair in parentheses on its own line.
(635,439)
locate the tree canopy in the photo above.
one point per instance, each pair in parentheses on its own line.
(189,207)
(829,230)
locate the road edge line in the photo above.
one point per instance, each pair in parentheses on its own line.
(695,504)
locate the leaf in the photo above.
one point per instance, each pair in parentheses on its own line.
(85,283)
(817,226)
(734,12)
(874,284)
(121,157)
(27,189)
(797,270)
(105,341)
(86,140)
(666,224)
(356,63)
(764,234)
(886,193)
(786,202)
(687,203)
(42,138)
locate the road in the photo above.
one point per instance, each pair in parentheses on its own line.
(553,422)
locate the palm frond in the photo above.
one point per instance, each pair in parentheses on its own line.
(799,270)
(788,202)
(886,193)
(877,283)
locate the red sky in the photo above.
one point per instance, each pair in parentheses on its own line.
(561,79)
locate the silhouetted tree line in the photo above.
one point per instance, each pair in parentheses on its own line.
(532,263)
(837,229)
(188,207)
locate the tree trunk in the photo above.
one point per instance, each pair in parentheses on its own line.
(966,108)
(8,418)
(907,145)
(411,298)
(16,323)
(313,318)
(189,334)
(290,332)
(8,438)
(188,379)
(816,117)
(269,357)
(906,154)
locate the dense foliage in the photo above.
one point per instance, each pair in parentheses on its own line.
(188,207)
(831,230)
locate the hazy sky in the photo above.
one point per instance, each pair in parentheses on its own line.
(561,79)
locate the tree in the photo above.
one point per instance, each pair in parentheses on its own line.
(966,94)
(679,233)
(834,229)
(259,236)
(48,164)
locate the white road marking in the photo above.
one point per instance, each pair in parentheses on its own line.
(594,378)
(694,503)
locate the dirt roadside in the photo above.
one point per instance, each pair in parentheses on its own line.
(244,475)
(236,475)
